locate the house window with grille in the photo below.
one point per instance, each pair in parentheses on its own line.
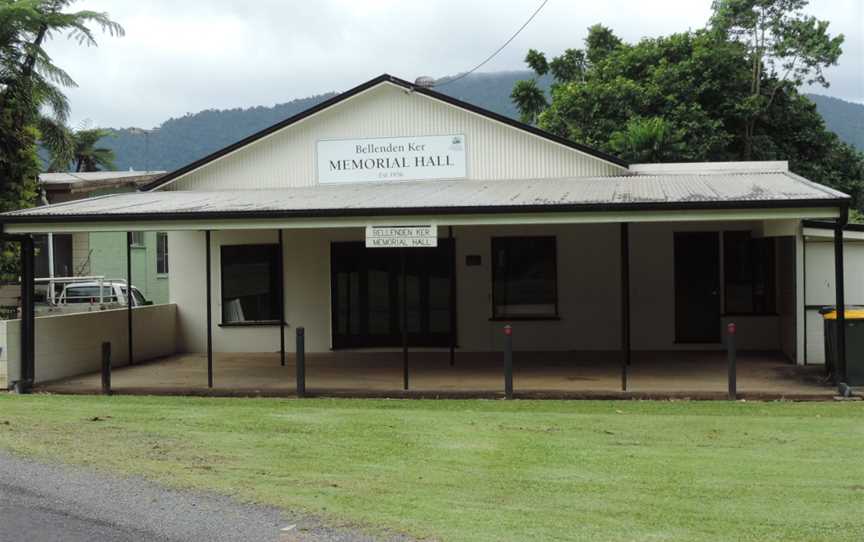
(162,253)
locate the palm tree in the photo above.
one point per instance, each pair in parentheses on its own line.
(32,103)
(83,154)
(529,99)
(33,108)
(648,140)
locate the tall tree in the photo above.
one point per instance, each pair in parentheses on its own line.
(30,85)
(785,48)
(530,99)
(84,154)
(33,107)
(571,66)
(684,97)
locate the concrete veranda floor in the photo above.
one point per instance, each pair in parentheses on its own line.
(552,374)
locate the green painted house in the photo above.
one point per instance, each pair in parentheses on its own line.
(104,253)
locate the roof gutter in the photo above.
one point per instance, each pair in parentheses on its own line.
(841,204)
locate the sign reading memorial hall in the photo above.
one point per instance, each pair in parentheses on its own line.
(424,236)
(391,159)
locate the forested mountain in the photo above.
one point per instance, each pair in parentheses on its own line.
(846,119)
(182,140)
(179,141)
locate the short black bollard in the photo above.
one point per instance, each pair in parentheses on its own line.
(508,361)
(730,347)
(301,362)
(106,368)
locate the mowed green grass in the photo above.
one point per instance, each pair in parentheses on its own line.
(485,470)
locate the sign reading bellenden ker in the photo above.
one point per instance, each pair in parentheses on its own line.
(391,159)
(402,236)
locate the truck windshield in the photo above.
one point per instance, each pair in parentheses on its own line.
(137,298)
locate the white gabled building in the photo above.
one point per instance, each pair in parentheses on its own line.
(581,252)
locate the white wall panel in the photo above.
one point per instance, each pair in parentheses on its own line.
(494,150)
(588,285)
(819,287)
(71,344)
(820,272)
(653,292)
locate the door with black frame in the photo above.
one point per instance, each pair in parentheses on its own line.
(367,294)
(697,287)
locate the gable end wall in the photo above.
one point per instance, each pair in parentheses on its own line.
(495,151)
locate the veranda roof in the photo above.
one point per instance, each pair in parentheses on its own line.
(631,192)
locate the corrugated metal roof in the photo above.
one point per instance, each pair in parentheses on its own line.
(94,176)
(652,190)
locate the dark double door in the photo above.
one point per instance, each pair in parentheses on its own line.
(697,287)
(368,287)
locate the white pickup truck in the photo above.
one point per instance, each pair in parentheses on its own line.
(113,293)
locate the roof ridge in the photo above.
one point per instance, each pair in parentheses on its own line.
(383,78)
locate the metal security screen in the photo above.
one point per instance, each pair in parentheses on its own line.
(367,295)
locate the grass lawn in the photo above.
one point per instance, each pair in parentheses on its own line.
(485,470)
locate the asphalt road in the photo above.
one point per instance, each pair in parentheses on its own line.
(48,502)
(41,501)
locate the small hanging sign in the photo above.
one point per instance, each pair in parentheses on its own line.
(409,236)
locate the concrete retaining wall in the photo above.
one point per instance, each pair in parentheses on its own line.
(71,344)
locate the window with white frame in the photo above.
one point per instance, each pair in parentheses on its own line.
(162,252)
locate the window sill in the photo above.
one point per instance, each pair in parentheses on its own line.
(750,315)
(258,323)
(161,276)
(524,319)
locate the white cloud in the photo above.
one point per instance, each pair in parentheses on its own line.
(185,56)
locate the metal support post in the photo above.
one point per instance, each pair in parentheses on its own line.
(28,317)
(129,295)
(625,304)
(209,313)
(508,361)
(281,300)
(301,362)
(106,368)
(731,357)
(840,301)
(404,321)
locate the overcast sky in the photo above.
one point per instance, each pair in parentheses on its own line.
(188,55)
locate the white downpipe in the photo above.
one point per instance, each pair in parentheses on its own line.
(50,257)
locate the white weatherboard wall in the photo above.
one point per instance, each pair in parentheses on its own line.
(588,290)
(819,285)
(493,150)
(71,344)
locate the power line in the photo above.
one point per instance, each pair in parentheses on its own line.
(506,43)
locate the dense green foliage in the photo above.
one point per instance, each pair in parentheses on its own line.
(783,47)
(180,141)
(484,470)
(84,154)
(33,108)
(705,95)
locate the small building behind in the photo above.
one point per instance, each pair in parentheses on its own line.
(103,253)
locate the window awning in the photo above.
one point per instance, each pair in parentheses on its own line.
(601,199)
